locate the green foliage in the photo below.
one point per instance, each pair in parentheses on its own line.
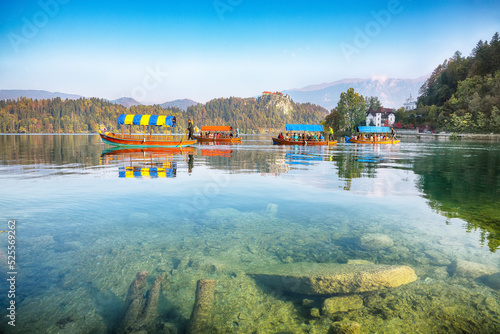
(252,115)
(85,115)
(463,94)
(68,116)
(333,120)
(352,108)
(373,102)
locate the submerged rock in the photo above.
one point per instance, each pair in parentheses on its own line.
(315,312)
(344,327)
(493,281)
(332,278)
(375,241)
(342,304)
(471,270)
(437,258)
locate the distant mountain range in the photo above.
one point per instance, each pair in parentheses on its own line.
(127,102)
(391,92)
(12,94)
(181,104)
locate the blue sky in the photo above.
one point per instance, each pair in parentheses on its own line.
(157,51)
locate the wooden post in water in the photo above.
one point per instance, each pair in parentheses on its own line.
(201,316)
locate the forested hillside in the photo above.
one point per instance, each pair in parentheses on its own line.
(252,115)
(463,93)
(85,115)
(66,116)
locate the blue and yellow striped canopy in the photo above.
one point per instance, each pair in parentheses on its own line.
(158,120)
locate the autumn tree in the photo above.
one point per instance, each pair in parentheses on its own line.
(333,120)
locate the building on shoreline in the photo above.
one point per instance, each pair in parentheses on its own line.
(380,117)
(410,104)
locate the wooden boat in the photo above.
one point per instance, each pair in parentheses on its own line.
(305,142)
(278,141)
(373,132)
(146,140)
(209,134)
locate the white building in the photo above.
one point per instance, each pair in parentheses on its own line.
(410,104)
(380,117)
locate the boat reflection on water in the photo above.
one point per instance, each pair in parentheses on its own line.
(226,153)
(302,158)
(148,162)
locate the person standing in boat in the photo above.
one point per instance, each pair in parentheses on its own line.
(393,133)
(190,130)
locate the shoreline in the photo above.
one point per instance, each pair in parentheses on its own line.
(447,135)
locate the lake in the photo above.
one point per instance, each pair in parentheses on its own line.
(88,218)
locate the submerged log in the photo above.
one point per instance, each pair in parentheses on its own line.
(201,316)
(150,310)
(139,311)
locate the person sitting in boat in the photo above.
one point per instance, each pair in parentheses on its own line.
(190,130)
(280,136)
(321,137)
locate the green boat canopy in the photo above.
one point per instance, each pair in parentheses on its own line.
(374,129)
(158,120)
(305,127)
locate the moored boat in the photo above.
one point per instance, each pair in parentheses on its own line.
(293,137)
(372,135)
(220,134)
(145,139)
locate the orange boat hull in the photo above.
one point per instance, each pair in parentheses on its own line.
(278,141)
(219,140)
(143,140)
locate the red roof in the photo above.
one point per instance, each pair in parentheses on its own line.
(380,110)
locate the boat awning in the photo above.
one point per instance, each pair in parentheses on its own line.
(216,128)
(374,129)
(305,127)
(158,120)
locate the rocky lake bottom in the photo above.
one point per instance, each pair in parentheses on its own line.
(454,291)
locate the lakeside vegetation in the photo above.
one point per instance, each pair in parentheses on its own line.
(462,95)
(86,115)
(67,116)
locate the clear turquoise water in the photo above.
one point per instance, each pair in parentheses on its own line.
(83,232)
